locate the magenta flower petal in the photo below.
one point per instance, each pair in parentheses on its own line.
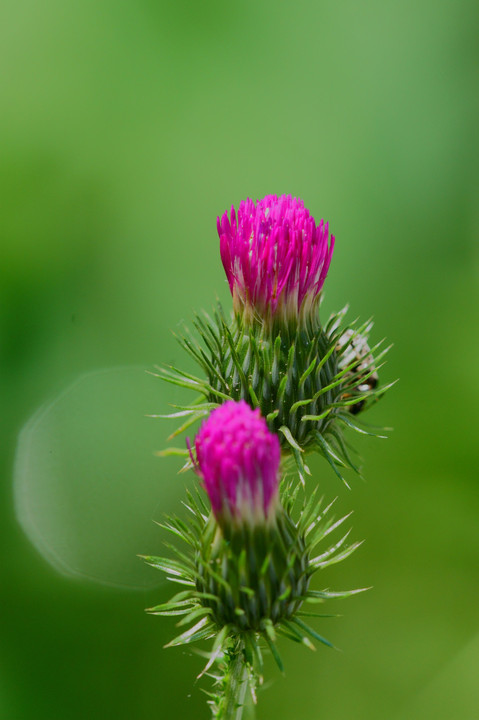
(238,459)
(275,257)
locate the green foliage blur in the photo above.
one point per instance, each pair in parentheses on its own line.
(125,129)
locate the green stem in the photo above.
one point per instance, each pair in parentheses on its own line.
(236,684)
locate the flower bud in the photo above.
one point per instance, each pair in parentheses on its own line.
(253,563)
(238,460)
(276,259)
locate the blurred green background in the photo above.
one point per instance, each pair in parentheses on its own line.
(125,128)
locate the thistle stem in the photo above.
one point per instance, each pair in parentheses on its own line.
(236,684)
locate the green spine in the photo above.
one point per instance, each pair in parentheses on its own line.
(250,574)
(308,381)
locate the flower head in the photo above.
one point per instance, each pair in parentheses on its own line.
(238,460)
(275,257)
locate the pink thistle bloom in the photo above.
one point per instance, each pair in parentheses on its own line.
(238,460)
(275,257)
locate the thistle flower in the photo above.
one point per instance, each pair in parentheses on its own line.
(308,385)
(308,381)
(238,460)
(251,559)
(276,259)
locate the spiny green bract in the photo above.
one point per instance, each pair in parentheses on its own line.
(308,382)
(253,574)
(249,589)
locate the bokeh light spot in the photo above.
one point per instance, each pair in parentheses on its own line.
(87,483)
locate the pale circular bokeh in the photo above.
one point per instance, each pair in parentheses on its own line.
(87,483)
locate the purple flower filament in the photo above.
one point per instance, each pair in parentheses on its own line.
(275,257)
(238,459)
